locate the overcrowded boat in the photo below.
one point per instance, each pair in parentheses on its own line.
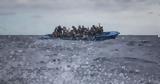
(94,33)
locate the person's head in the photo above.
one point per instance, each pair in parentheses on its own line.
(79,26)
(59,26)
(73,27)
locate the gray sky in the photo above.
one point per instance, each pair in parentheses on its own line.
(41,16)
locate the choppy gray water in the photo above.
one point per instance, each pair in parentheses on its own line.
(125,60)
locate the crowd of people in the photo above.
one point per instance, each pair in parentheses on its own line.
(80,31)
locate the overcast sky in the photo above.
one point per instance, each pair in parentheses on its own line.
(41,16)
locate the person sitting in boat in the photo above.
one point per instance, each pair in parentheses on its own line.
(85,35)
(83,28)
(59,31)
(64,31)
(55,33)
(74,29)
(85,32)
(79,34)
(93,30)
(100,29)
(68,32)
(72,34)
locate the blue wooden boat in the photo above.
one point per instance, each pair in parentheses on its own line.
(99,37)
